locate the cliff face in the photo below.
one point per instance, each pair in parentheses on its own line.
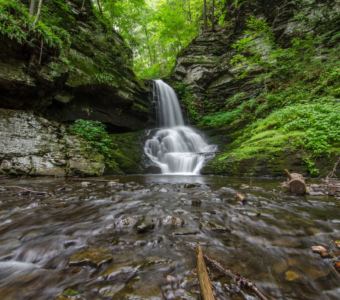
(69,66)
(245,82)
(32,145)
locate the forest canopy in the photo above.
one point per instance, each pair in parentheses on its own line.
(157,30)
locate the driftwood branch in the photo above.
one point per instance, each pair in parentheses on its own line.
(205,284)
(90,179)
(25,189)
(241,281)
(333,172)
(238,279)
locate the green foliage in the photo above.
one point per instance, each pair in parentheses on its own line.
(220,119)
(189,101)
(98,139)
(122,152)
(17,24)
(298,110)
(156,30)
(70,292)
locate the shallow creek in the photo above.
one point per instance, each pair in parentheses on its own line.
(133,238)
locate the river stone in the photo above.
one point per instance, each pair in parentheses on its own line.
(94,257)
(146,225)
(172,221)
(127,222)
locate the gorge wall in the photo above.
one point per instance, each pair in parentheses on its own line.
(70,65)
(263,86)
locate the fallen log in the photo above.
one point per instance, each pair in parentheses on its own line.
(296,183)
(203,277)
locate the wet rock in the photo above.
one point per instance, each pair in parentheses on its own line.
(337,266)
(145,226)
(241,198)
(121,273)
(292,275)
(172,221)
(191,185)
(170,279)
(112,184)
(323,251)
(33,145)
(69,294)
(337,243)
(211,225)
(111,290)
(85,184)
(196,202)
(94,257)
(163,190)
(186,232)
(127,222)
(225,191)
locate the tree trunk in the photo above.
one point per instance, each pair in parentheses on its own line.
(32,7)
(38,13)
(205,19)
(213,15)
(100,7)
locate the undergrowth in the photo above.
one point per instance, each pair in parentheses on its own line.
(298,109)
(17,24)
(98,139)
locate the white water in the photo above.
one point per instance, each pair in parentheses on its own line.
(175,148)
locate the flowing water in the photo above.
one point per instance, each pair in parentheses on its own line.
(175,148)
(132,238)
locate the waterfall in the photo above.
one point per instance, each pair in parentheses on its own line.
(175,148)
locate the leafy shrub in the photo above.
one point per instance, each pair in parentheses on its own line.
(220,119)
(99,140)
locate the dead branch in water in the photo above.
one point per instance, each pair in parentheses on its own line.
(205,284)
(25,189)
(91,179)
(240,281)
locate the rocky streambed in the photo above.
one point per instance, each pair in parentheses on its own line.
(133,238)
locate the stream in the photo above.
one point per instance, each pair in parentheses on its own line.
(132,237)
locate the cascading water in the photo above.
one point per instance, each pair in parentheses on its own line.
(175,148)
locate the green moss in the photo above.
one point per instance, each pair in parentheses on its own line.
(295,120)
(189,101)
(122,152)
(129,151)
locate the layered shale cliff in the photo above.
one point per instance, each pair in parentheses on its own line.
(68,65)
(264,87)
